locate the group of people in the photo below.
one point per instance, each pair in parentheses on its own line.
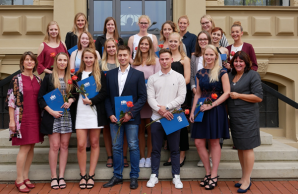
(189,67)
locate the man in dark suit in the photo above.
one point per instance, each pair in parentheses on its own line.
(125,81)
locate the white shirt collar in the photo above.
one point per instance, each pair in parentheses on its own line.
(126,70)
(160,73)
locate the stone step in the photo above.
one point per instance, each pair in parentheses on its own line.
(266,139)
(230,170)
(275,152)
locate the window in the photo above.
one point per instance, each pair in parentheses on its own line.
(268,108)
(258,2)
(16,2)
(126,14)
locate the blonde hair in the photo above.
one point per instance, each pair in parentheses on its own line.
(146,17)
(208,17)
(95,71)
(173,26)
(47,36)
(237,24)
(184,17)
(91,41)
(75,28)
(180,48)
(151,54)
(67,76)
(214,72)
(104,62)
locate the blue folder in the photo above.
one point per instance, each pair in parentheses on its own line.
(157,54)
(178,122)
(90,86)
(223,57)
(72,49)
(199,118)
(120,105)
(54,100)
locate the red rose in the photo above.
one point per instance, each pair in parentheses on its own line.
(74,78)
(136,48)
(160,46)
(94,40)
(129,104)
(52,55)
(232,53)
(72,70)
(214,96)
(116,41)
(186,111)
(69,81)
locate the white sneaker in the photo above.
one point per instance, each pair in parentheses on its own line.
(142,163)
(152,181)
(210,159)
(148,163)
(177,182)
(200,163)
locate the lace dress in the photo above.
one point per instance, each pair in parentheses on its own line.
(215,121)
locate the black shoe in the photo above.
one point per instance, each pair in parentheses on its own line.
(89,185)
(134,183)
(113,181)
(183,161)
(167,163)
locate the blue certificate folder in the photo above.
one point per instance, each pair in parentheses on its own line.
(223,57)
(199,118)
(178,122)
(90,86)
(72,49)
(54,100)
(120,105)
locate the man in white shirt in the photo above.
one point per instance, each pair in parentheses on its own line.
(166,91)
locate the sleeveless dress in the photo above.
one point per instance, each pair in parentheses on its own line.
(215,121)
(31,114)
(63,124)
(86,116)
(136,40)
(184,140)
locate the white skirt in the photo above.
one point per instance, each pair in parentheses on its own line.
(86,116)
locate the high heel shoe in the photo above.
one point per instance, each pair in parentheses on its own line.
(213,184)
(245,190)
(183,161)
(25,190)
(83,185)
(30,186)
(205,181)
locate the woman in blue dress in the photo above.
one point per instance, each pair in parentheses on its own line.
(211,80)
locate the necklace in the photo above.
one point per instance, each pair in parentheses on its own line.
(234,83)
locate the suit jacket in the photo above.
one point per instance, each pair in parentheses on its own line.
(251,53)
(98,101)
(134,86)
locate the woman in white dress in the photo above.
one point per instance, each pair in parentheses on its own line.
(90,115)
(133,41)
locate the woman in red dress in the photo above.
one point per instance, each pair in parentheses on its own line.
(51,46)
(24,117)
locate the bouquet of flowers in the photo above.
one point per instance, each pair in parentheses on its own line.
(175,111)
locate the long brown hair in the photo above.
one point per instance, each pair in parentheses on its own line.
(105,31)
(173,26)
(91,41)
(198,49)
(104,62)
(151,54)
(75,28)
(95,71)
(67,76)
(47,36)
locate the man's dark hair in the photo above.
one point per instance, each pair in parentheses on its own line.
(123,47)
(165,51)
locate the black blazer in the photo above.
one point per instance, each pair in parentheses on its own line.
(98,101)
(134,86)
(100,42)
(71,40)
(47,121)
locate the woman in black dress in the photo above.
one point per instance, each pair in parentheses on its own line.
(80,25)
(246,93)
(109,31)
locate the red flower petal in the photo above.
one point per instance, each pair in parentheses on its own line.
(72,70)
(69,81)
(74,78)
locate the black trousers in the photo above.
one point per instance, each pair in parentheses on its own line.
(157,135)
